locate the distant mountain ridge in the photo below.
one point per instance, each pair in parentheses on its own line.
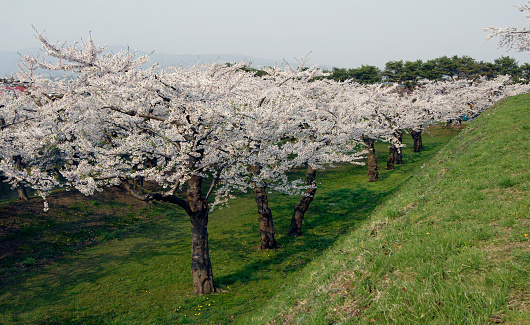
(9,59)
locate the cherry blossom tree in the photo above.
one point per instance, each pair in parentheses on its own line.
(115,117)
(9,156)
(512,37)
(330,135)
(27,151)
(265,156)
(371,103)
(450,101)
(309,134)
(406,110)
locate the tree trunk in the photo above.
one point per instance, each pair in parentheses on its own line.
(22,194)
(391,157)
(201,266)
(301,208)
(266,225)
(373,170)
(399,149)
(416,136)
(21,189)
(395,153)
(138,183)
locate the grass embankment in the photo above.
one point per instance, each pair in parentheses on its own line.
(112,260)
(451,247)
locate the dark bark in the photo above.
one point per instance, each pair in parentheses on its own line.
(301,208)
(416,136)
(138,183)
(391,157)
(266,225)
(201,266)
(399,150)
(395,153)
(22,194)
(21,189)
(373,170)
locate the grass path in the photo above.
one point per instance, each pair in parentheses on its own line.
(136,269)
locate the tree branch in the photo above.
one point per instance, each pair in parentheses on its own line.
(173,189)
(214,182)
(164,197)
(134,193)
(132,113)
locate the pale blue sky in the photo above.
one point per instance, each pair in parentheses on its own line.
(338,32)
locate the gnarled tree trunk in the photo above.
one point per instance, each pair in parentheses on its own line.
(22,194)
(399,148)
(266,225)
(201,266)
(391,157)
(395,153)
(21,189)
(301,208)
(373,170)
(416,136)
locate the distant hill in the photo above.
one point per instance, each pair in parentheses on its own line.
(8,60)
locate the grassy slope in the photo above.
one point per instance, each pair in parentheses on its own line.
(451,247)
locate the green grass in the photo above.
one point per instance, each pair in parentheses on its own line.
(450,247)
(133,267)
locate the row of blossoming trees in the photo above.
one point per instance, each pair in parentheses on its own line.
(205,132)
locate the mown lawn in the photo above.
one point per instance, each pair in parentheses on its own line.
(111,260)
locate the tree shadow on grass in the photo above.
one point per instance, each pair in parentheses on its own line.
(47,257)
(334,212)
(331,214)
(73,280)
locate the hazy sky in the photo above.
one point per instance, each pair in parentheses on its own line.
(341,33)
